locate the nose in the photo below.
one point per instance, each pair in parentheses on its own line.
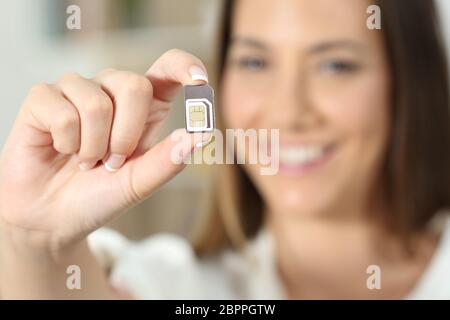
(290,107)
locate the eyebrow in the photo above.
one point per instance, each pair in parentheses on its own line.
(315,49)
(335,44)
(249,42)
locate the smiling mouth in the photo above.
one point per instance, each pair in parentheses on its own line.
(298,160)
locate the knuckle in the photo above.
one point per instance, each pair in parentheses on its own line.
(35,94)
(64,147)
(107,71)
(40,88)
(98,105)
(69,77)
(66,120)
(136,84)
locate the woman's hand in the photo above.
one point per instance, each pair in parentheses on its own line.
(82,150)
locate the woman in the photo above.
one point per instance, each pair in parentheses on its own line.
(370,107)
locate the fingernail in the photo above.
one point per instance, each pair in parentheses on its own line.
(87,165)
(114,162)
(206,138)
(198,73)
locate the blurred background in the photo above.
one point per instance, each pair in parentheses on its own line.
(36,46)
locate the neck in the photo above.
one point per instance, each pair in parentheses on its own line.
(328,258)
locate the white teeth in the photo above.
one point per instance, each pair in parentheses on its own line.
(300,155)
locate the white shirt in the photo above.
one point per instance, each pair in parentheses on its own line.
(164,266)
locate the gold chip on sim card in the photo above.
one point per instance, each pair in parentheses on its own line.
(199,107)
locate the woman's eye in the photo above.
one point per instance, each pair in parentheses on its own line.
(337,67)
(252,63)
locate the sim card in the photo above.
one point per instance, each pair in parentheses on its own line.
(199,107)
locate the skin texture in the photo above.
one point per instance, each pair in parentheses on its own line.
(313,70)
(54,189)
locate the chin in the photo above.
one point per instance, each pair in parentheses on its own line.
(297,199)
(310,195)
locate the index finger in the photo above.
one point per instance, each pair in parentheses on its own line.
(174,69)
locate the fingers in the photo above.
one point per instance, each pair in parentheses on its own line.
(95,110)
(173,69)
(47,110)
(114,116)
(161,163)
(142,104)
(133,96)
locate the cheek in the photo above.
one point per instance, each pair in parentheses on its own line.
(369,113)
(240,109)
(361,112)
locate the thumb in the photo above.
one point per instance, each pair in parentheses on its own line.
(163,161)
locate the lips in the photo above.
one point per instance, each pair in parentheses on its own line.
(299,159)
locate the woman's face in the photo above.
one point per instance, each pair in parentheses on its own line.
(313,70)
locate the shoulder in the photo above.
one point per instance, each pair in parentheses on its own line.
(435,282)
